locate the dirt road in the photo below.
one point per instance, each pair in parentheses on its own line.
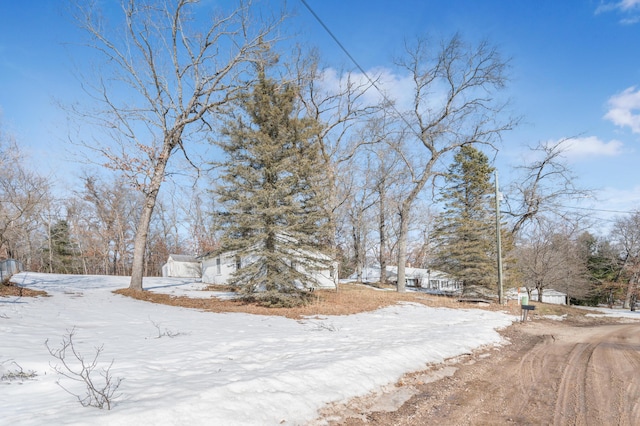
(552,373)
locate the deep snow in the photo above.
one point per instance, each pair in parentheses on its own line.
(183,366)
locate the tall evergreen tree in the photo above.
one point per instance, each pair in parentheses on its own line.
(603,263)
(59,251)
(465,232)
(274,193)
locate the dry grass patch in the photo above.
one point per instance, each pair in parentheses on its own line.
(570,313)
(12,289)
(349,299)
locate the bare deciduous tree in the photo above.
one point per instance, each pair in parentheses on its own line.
(24,195)
(338,101)
(546,181)
(454,103)
(550,258)
(388,175)
(167,74)
(360,198)
(106,221)
(626,233)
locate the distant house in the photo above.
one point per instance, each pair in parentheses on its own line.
(429,279)
(548,295)
(182,266)
(217,269)
(9,267)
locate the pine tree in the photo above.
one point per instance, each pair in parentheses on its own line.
(59,252)
(465,232)
(274,192)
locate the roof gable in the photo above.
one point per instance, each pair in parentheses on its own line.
(183,258)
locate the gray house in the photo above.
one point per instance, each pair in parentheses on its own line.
(9,267)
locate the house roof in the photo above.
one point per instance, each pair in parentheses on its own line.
(373,272)
(183,258)
(308,255)
(545,292)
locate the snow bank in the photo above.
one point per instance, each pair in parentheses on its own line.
(231,369)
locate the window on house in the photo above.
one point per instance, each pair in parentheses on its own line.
(218,266)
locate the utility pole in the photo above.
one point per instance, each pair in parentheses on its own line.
(498,241)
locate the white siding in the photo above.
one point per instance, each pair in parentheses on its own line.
(179,267)
(218,270)
(227,265)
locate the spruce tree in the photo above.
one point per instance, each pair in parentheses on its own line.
(59,251)
(465,232)
(273,192)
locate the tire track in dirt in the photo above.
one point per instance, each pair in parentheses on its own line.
(553,373)
(571,403)
(600,380)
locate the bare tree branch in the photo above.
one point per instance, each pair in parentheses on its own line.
(454,104)
(162,84)
(547,181)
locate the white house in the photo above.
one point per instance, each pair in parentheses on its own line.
(548,295)
(182,266)
(218,269)
(429,279)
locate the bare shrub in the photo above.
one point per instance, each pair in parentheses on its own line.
(14,372)
(166,332)
(100,391)
(322,325)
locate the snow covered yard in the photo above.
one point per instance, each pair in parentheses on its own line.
(183,366)
(611,313)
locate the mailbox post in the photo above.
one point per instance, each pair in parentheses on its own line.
(525,311)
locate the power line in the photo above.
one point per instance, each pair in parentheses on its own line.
(597,210)
(346,52)
(373,83)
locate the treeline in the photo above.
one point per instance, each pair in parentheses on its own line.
(91,230)
(367,172)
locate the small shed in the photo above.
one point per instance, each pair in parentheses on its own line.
(182,266)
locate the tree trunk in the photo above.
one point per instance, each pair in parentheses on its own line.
(50,247)
(631,289)
(140,243)
(540,290)
(142,233)
(402,246)
(357,251)
(383,233)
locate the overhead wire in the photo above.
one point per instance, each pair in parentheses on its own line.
(360,68)
(386,99)
(597,210)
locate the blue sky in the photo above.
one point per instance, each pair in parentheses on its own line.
(575,71)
